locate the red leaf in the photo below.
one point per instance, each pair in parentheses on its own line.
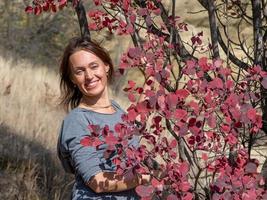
(157,11)
(216,83)
(173,143)
(91,141)
(157,184)
(251,114)
(204,156)
(132,18)
(171,99)
(231,139)
(183,168)
(111,139)
(54,7)
(134,52)
(29,9)
(184,186)
(182,93)
(264,82)
(172,197)
(251,167)
(37,10)
(131,97)
(46,6)
(194,106)
(190,67)
(180,114)
(86,141)
(203,63)
(94,129)
(131,84)
(188,196)
(157,119)
(132,114)
(192,121)
(212,121)
(144,191)
(62,3)
(142,11)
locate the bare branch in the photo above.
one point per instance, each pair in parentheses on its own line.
(81,14)
(257,22)
(213,29)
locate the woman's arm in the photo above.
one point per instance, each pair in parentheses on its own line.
(112,182)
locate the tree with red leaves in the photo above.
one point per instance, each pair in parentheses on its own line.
(200,116)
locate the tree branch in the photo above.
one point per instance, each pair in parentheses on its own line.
(81,14)
(258,45)
(213,29)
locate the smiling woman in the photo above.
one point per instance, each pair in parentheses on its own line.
(89,74)
(85,71)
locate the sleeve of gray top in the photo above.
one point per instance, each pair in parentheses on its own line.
(85,159)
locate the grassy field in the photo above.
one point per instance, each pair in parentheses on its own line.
(29,122)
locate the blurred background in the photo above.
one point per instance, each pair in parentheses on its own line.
(30,52)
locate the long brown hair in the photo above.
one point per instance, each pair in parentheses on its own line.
(70,94)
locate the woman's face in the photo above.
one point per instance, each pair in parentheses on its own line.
(89,73)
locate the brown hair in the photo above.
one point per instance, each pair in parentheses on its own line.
(70,94)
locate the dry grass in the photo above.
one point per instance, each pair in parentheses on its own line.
(29,101)
(29,122)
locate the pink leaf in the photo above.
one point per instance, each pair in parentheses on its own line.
(111,139)
(188,196)
(183,168)
(216,83)
(132,18)
(172,197)
(203,63)
(264,82)
(131,97)
(132,114)
(62,3)
(86,141)
(144,191)
(134,52)
(29,9)
(182,93)
(205,156)
(157,11)
(251,114)
(173,143)
(251,167)
(184,186)
(231,139)
(142,11)
(212,121)
(91,141)
(37,10)
(157,184)
(180,114)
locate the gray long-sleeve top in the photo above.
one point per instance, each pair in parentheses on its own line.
(87,161)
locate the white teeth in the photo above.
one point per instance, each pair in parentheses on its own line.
(91,84)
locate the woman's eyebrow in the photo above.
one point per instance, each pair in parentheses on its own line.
(93,62)
(78,67)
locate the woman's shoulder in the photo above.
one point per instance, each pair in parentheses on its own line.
(76,114)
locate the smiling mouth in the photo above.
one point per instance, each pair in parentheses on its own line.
(92,84)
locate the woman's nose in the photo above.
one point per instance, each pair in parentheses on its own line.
(88,74)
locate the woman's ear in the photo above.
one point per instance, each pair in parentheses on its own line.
(107,68)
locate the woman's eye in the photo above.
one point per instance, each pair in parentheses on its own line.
(78,72)
(94,66)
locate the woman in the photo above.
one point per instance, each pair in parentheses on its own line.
(85,71)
